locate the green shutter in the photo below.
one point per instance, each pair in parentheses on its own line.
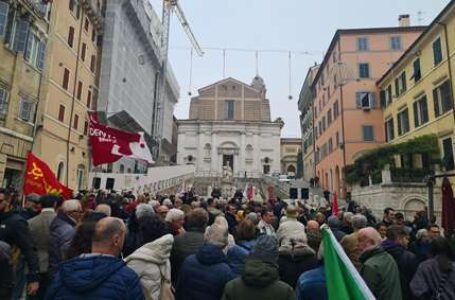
(383,98)
(435,102)
(416,114)
(437,52)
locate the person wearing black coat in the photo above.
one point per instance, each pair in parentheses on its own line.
(292,263)
(396,244)
(14,231)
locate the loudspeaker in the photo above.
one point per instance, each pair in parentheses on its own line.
(110,183)
(293,193)
(305,193)
(96,184)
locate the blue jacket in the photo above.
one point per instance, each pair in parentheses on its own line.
(312,285)
(237,254)
(61,231)
(203,275)
(95,277)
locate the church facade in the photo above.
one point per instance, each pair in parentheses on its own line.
(230,130)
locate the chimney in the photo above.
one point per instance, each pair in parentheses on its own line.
(405,20)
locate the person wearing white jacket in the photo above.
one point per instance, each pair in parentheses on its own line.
(151,262)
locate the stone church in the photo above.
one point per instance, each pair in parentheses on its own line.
(230,128)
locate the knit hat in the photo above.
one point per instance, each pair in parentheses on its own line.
(266,249)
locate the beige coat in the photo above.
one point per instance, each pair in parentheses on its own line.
(150,262)
(40,233)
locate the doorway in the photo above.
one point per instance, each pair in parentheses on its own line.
(229,161)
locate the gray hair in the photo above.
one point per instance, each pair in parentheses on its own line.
(174,214)
(103,208)
(106,228)
(144,210)
(347,216)
(167,202)
(359,221)
(70,206)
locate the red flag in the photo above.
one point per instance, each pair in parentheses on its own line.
(335,208)
(40,179)
(110,144)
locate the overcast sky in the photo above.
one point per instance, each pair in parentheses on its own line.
(302,26)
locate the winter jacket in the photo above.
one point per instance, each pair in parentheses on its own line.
(62,230)
(312,285)
(40,233)
(95,276)
(184,245)
(350,245)
(259,280)
(203,275)
(292,263)
(6,271)
(15,232)
(236,255)
(232,222)
(314,240)
(427,279)
(287,232)
(407,264)
(151,263)
(380,273)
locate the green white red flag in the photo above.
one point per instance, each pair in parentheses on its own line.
(342,279)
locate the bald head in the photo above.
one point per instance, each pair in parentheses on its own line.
(368,238)
(312,226)
(109,236)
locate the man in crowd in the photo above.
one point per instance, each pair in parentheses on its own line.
(389,216)
(434,231)
(40,233)
(231,218)
(14,231)
(313,234)
(396,244)
(265,225)
(351,241)
(189,242)
(62,230)
(100,274)
(378,269)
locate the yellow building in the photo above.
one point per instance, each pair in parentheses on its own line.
(23,39)
(290,149)
(416,92)
(71,89)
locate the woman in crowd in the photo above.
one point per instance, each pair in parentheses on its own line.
(245,236)
(175,219)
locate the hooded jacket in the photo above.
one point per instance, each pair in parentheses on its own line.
(380,273)
(203,275)
(260,280)
(236,255)
(95,277)
(407,264)
(151,263)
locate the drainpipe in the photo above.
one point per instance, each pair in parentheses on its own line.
(73,98)
(446,37)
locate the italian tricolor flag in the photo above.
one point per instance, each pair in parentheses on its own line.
(343,280)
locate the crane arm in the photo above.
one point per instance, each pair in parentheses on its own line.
(181,16)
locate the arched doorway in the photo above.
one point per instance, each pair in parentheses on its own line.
(291,169)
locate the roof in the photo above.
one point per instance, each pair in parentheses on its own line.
(419,39)
(225,80)
(340,32)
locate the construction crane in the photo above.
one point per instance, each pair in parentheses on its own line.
(169,6)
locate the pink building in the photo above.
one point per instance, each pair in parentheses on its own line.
(347,113)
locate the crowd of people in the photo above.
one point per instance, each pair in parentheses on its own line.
(112,246)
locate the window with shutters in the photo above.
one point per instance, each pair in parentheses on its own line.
(229,110)
(368,133)
(83,51)
(329,117)
(365,100)
(389,130)
(336,110)
(76,121)
(86,24)
(4,95)
(79,90)
(400,84)
(66,79)
(61,113)
(437,51)
(442,97)
(93,64)
(395,43)
(75,8)
(389,94)
(420,111)
(85,128)
(4,10)
(89,99)
(364,70)
(403,121)
(35,51)
(20,35)
(362,44)
(417,73)
(26,110)
(71,36)
(93,35)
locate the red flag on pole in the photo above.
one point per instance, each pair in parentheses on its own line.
(335,208)
(40,179)
(110,144)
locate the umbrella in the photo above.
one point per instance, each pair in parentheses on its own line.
(448,206)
